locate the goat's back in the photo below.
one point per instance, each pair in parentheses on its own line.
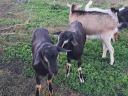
(94,22)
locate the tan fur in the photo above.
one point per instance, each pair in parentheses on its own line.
(95,23)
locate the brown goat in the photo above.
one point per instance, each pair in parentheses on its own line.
(98,25)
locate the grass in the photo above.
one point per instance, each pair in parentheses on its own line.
(101,79)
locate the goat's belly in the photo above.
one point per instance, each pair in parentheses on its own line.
(93,37)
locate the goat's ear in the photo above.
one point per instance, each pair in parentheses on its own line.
(60,49)
(57,33)
(114,10)
(74,42)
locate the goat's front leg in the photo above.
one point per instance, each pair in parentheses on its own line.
(80,73)
(111,50)
(68,67)
(105,49)
(38,86)
(49,82)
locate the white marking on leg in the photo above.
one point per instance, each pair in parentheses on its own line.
(111,51)
(81,80)
(80,72)
(69,68)
(79,69)
(104,50)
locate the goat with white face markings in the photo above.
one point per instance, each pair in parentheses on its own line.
(44,58)
(97,24)
(73,39)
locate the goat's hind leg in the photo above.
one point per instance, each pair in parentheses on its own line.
(80,73)
(68,67)
(111,50)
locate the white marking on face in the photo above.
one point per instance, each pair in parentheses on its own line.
(45,58)
(66,41)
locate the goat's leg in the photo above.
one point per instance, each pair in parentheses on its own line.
(38,86)
(111,50)
(80,73)
(104,50)
(49,82)
(68,67)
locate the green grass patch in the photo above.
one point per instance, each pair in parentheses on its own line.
(9,21)
(47,15)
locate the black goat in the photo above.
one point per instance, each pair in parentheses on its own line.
(73,39)
(44,57)
(122,14)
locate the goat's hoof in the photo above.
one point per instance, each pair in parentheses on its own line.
(67,75)
(81,80)
(111,63)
